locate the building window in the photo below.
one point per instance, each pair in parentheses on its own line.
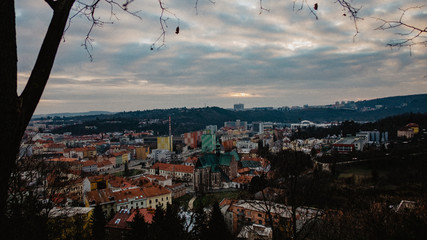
(260,222)
(156,200)
(150,201)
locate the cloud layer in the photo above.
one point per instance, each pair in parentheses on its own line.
(225,53)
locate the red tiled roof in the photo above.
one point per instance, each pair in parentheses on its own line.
(243,179)
(157,177)
(155,190)
(119,220)
(173,167)
(191,160)
(100,196)
(118,182)
(148,215)
(244,170)
(122,219)
(123,195)
(88,163)
(63,159)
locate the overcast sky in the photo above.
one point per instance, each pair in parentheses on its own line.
(225,53)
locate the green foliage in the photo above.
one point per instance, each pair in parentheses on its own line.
(200,226)
(217,228)
(139,228)
(98,223)
(167,224)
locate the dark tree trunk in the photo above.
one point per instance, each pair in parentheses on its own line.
(16,111)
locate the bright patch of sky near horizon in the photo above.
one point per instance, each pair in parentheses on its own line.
(227,53)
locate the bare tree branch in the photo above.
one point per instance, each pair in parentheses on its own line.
(163,25)
(196,5)
(412,35)
(352,12)
(88,11)
(261,8)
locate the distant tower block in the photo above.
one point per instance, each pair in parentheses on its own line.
(208,142)
(239,107)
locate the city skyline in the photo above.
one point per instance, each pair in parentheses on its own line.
(226,53)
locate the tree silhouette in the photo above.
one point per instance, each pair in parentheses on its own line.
(98,222)
(217,228)
(139,228)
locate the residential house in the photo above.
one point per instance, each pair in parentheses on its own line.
(129,198)
(175,171)
(249,212)
(190,161)
(142,153)
(408,131)
(89,166)
(102,197)
(177,190)
(67,219)
(119,225)
(92,183)
(159,179)
(104,165)
(121,157)
(255,232)
(157,196)
(349,144)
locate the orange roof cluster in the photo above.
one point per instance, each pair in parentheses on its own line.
(100,196)
(82,149)
(148,215)
(118,182)
(63,159)
(88,163)
(173,167)
(124,217)
(116,154)
(244,170)
(155,177)
(155,190)
(140,181)
(55,145)
(243,179)
(124,195)
(192,160)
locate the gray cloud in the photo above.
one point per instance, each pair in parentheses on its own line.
(227,53)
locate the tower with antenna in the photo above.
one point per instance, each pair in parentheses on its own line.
(170,135)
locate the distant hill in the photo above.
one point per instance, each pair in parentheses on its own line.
(191,119)
(90,113)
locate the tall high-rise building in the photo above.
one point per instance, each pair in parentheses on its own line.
(165,143)
(208,142)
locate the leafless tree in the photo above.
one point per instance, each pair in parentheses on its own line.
(410,35)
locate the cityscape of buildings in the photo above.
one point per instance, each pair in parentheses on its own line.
(216,158)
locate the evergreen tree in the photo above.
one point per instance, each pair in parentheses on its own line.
(174,222)
(217,228)
(98,222)
(139,228)
(126,172)
(169,220)
(158,225)
(200,227)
